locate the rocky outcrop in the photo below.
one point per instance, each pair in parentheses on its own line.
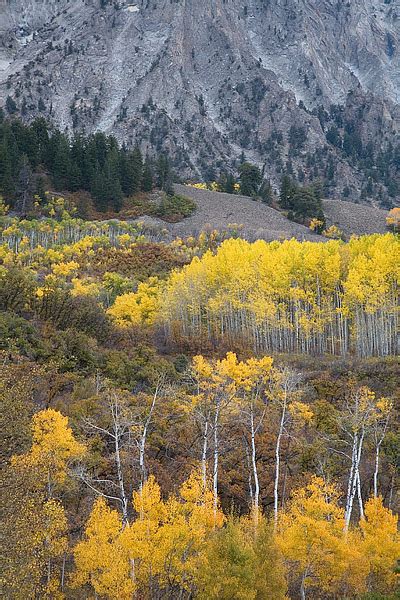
(277,80)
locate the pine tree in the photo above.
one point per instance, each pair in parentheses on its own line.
(6,180)
(250,179)
(147,176)
(287,192)
(25,187)
(164,175)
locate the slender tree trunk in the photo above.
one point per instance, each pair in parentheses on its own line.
(354,480)
(277,464)
(254,465)
(143,439)
(303,586)
(124,499)
(376,471)
(377,453)
(216,459)
(204,455)
(359,494)
(63,572)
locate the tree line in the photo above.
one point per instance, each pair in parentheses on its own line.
(34,156)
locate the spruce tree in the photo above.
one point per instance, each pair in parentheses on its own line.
(6,181)
(147,177)
(288,189)
(250,179)
(25,187)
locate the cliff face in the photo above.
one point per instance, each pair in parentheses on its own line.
(276,79)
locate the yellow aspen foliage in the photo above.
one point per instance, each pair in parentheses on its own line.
(157,550)
(139,308)
(54,446)
(55,544)
(333,232)
(34,537)
(381,544)
(289,296)
(301,412)
(4,208)
(166,537)
(84,287)
(238,565)
(63,269)
(311,537)
(100,558)
(198,505)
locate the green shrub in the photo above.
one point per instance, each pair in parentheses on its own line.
(173,208)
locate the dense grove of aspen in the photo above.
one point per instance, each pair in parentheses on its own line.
(203,468)
(294,297)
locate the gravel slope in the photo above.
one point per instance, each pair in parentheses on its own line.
(355,218)
(217,210)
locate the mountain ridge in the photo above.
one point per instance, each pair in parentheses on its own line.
(295,85)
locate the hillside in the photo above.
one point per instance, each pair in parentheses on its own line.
(216,210)
(311,87)
(358,219)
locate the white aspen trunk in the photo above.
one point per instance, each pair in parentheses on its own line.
(251,494)
(117,434)
(359,494)
(124,499)
(350,483)
(377,454)
(376,470)
(216,458)
(254,465)
(303,586)
(355,482)
(277,464)
(143,439)
(204,455)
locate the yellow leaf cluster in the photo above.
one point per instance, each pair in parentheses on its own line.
(161,544)
(137,308)
(54,446)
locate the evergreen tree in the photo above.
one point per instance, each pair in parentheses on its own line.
(266,192)
(61,162)
(147,177)
(288,189)
(250,179)
(25,187)
(6,179)
(40,188)
(136,166)
(164,174)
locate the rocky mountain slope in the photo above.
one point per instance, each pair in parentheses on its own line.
(311,87)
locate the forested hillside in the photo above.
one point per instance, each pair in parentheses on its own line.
(196,419)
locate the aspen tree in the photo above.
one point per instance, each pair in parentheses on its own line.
(381,545)
(311,537)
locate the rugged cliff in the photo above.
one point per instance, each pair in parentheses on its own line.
(308,86)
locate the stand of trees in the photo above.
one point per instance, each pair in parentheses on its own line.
(130,473)
(290,297)
(29,154)
(301,203)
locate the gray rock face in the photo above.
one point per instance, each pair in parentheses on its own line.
(210,79)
